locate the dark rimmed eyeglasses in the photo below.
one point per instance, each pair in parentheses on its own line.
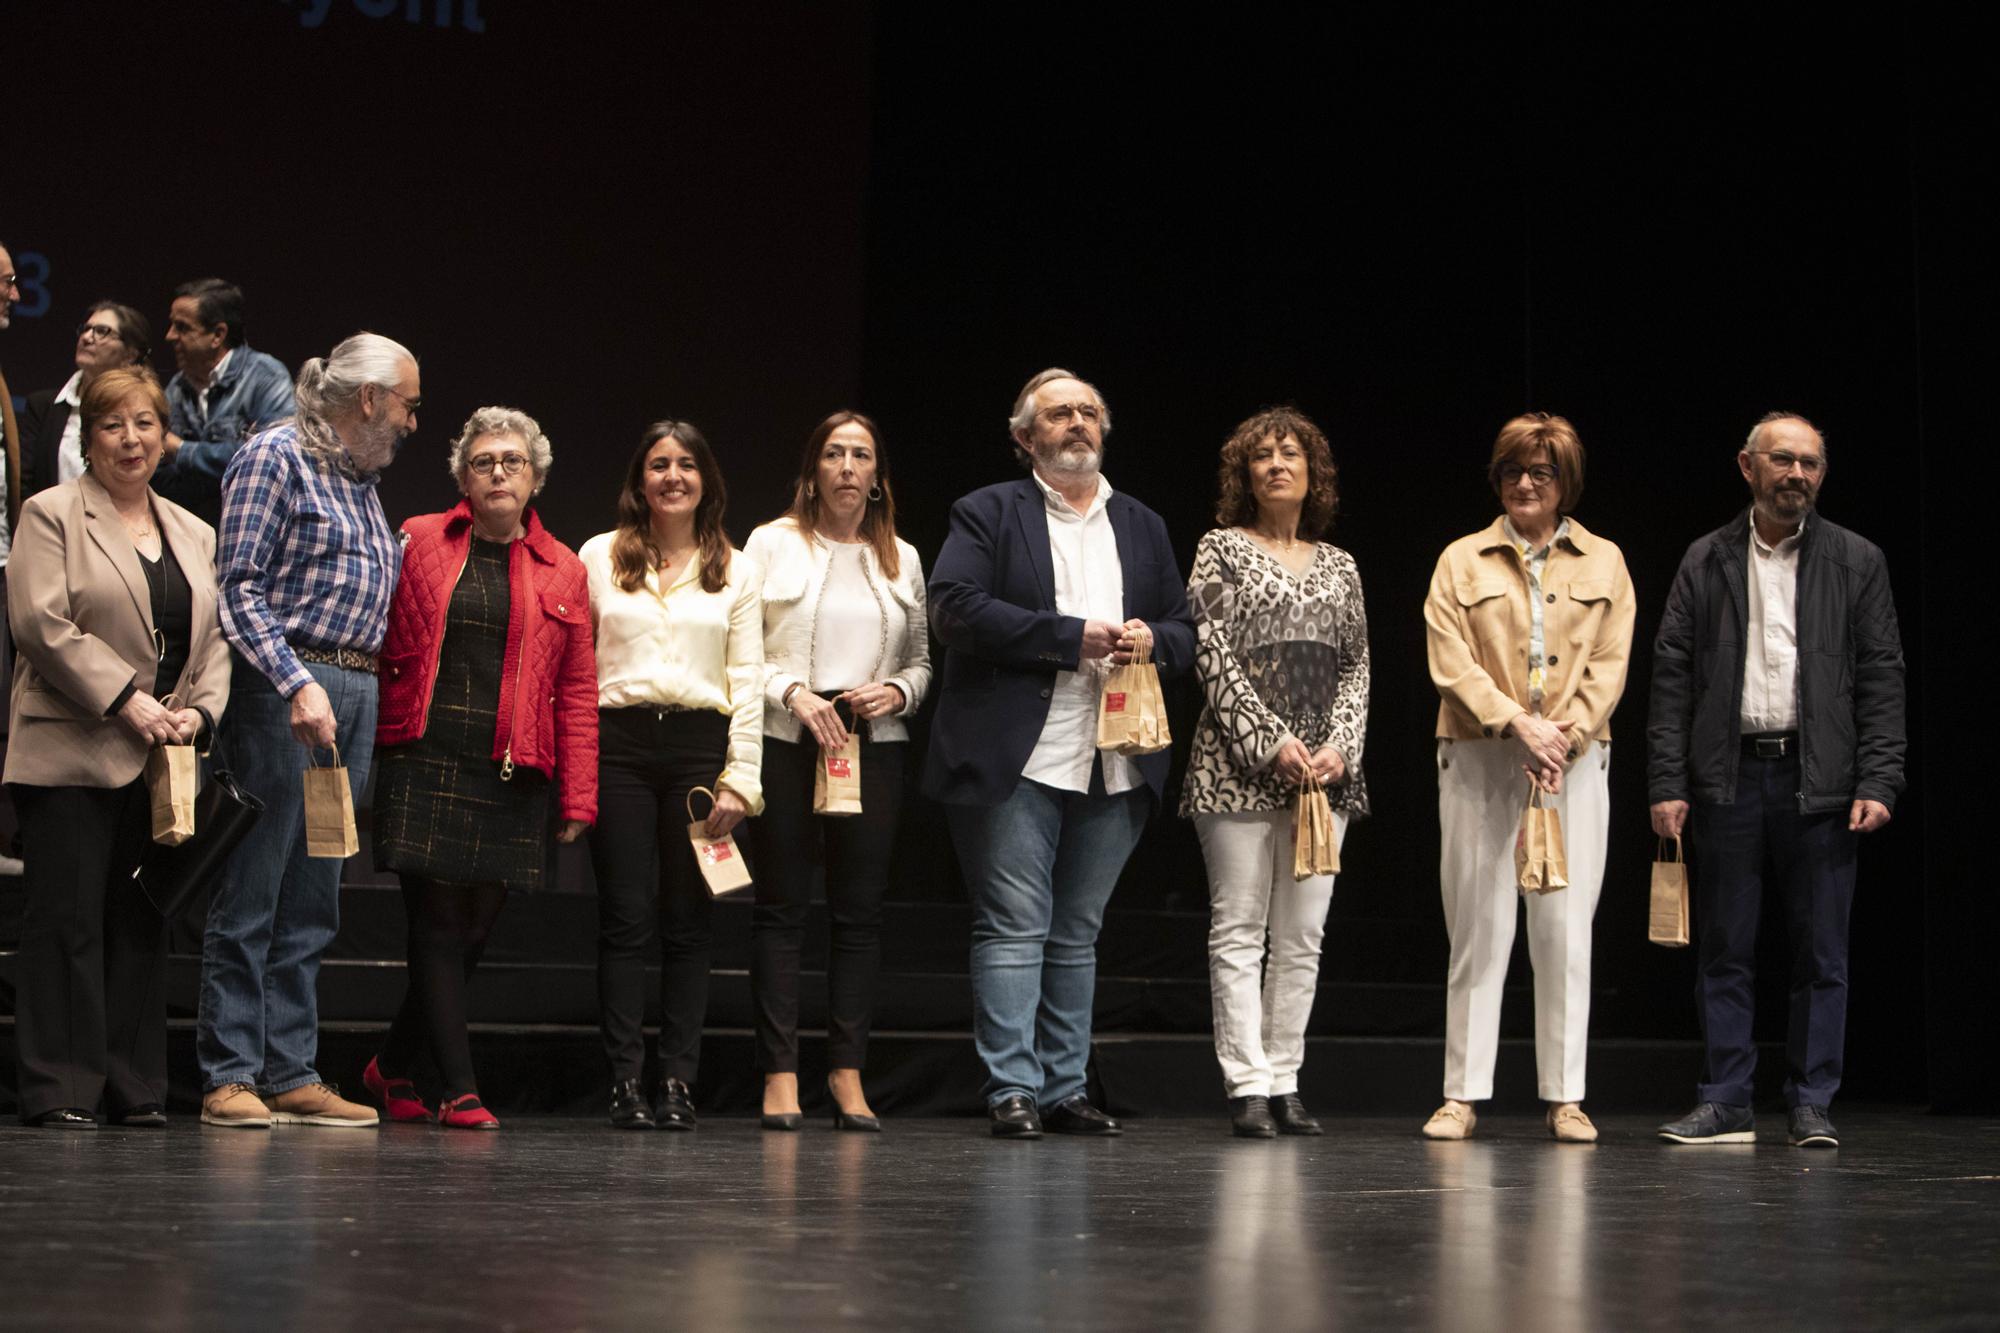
(99,332)
(1541,474)
(511,465)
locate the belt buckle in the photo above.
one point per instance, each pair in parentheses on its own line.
(1770,747)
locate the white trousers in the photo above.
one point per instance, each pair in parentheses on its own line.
(1481,793)
(1260,1025)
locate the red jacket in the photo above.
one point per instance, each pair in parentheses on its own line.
(548,684)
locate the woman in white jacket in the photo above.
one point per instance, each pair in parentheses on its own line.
(846,645)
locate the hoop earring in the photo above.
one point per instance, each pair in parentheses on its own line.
(875,491)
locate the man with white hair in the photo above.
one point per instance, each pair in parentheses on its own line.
(1041,585)
(307,565)
(1778,718)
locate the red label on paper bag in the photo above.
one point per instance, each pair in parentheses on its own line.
(1114,701)
(838,767)
(715,852)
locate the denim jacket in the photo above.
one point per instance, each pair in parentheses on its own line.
(253,392)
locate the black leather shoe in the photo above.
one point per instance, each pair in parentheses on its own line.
(146,1115)
(675,1109)
(1075,1115)
(1809,1128)
(1712,1122)
(1250,1118)
(628,1106)
(64,1117)
(1292,1116)
(1014,1118)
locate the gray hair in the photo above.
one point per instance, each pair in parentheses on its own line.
(1025,406)
(503,421)
(331,385)
(1769,418)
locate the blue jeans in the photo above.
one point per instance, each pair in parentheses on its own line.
(275,909)
(1040,866)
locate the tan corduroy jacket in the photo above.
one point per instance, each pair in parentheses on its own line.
(83,631)
(1477,616)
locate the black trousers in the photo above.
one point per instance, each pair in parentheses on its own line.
(789,838)
(90,1008)
(647,763)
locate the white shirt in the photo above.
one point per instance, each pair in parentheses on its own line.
(69,454)
(686,648)
(1771,656)
(1090,584)
(850,637)
(201,394)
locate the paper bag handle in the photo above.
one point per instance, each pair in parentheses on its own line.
(312,756)
(692,817)
(1679,855)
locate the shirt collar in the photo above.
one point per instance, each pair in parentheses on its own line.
(1786,545)
(72,392)
(1520,543)
(1060,507)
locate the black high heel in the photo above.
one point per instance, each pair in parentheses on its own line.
(789,1121)
(850,1121)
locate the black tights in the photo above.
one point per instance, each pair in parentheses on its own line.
(449,924)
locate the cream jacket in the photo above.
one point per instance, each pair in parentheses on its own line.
(1477,617)
(794,577)
(83,628)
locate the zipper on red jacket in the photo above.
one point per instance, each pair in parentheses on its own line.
(520,676)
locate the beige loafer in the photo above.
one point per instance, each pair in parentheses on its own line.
(1569,1124)
(1453,1120)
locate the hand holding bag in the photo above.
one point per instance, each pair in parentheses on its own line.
(173,877)
(329,810)
(1315,849)
(1540,863)
(1132,709)
(720,859)
(1668,922)
(172,777)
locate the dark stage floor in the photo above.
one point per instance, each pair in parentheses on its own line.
(557,1223)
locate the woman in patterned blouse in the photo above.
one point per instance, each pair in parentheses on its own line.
(1530,627)
(1283,660)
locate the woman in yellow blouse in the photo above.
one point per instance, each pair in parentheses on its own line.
(680,665)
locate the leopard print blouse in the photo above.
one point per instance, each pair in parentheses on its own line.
(1276,653)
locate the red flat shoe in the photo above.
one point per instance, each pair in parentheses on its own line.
(397,1095)
(466,1113)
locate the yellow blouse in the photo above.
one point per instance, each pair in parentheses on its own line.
(683,647)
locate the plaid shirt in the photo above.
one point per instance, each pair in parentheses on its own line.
(306,558)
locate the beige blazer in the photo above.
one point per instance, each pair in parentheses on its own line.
(83,631)
(1477,617)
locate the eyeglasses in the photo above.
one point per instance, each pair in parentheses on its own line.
(1784,460)
(1541,474)
(510,464)
(410,404)
(99,332)
(1064,413)
(10,282)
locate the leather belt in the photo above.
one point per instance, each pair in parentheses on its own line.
(1770,744)
(351,659)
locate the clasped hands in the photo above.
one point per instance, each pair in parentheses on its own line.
(1547,744)
(157,724)
(1101,639)
(1297,765)
(821,717)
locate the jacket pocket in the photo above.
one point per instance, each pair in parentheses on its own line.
(569,610)
(1589,603)
(1488,611)
(39,701)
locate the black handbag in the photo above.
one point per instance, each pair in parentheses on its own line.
(223,814)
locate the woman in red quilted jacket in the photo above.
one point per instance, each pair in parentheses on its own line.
(488,713)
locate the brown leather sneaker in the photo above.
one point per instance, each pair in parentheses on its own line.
(318,1104)
(235,1106)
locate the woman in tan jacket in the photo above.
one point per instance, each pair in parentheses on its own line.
(113,603)
(1530,631)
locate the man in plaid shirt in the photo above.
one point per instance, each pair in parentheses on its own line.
(307,566)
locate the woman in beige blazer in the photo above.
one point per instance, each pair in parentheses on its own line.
(112,599)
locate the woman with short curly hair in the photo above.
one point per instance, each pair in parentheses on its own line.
(1283,659)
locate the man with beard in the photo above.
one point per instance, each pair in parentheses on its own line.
(221,394)
(307,564)
(1778,712)
(1041,585)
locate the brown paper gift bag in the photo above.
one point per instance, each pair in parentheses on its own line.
(329,810)
(1668,921)
(172,777)
(1540,864)
(1132,709)
(720,859)
(1315,849)
(837,779)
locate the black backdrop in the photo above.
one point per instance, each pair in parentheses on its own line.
(1412,227)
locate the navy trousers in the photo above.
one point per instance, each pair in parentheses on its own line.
(1811,862)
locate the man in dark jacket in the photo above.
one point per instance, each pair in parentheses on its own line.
(1042,585)
(1778,714)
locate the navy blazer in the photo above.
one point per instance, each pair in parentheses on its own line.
(993,606)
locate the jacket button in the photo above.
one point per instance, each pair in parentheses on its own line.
(1552,597)
(1487,730)
(1553,659)
(1047,692)
(561,610)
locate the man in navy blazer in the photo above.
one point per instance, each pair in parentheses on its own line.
(1042,585)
